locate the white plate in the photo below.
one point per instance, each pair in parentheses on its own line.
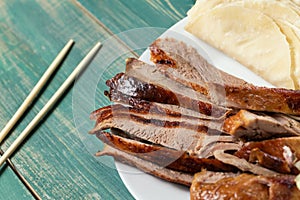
(146,187)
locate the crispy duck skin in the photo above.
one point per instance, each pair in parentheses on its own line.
(242,163)
(245,187)
(260,126)
(278,154)
(238,93)
(151,92)
(135,88)
(162,156)
(118,97)
(148,167)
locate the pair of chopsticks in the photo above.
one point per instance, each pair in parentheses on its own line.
(35,91)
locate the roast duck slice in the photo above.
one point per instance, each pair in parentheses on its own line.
(182,116)
(177,56)
(210,185)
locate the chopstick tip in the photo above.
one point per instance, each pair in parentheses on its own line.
(96,48)
(70,43)
(99,44)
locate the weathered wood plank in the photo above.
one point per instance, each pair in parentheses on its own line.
(11,187)
(55,159)
(120,15)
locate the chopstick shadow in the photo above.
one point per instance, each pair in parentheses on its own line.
(2,169)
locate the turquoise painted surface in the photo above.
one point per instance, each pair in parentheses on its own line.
(54,159)
(120,16)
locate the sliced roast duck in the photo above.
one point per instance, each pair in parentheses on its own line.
(182,116)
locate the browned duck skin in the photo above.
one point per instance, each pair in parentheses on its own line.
(252,126)
(244,187)
(133,87)
(238,93)
(162,156)
(148,167)
(278,154)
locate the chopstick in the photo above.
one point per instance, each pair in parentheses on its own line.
(87,59)
(35,91)
(22,179)
(24,106)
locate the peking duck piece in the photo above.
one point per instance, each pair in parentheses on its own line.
(161,156)
(148,167)
(248,125)
(220,87)
(167,133)
(143,81)
(278,154)
(159,113)
(180,133)
(244,186)
(244,124)
(153,109)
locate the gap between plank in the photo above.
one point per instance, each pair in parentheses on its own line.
(21,178)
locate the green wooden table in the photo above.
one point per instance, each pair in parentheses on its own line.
(54,159)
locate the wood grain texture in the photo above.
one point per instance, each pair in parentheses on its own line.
(118,15)
(54,158)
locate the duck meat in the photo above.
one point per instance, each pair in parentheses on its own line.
(222,88)
(158,88)
(248,125)
(180,133)
(148,167)
(162,156)
(244,186)
(278,154)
